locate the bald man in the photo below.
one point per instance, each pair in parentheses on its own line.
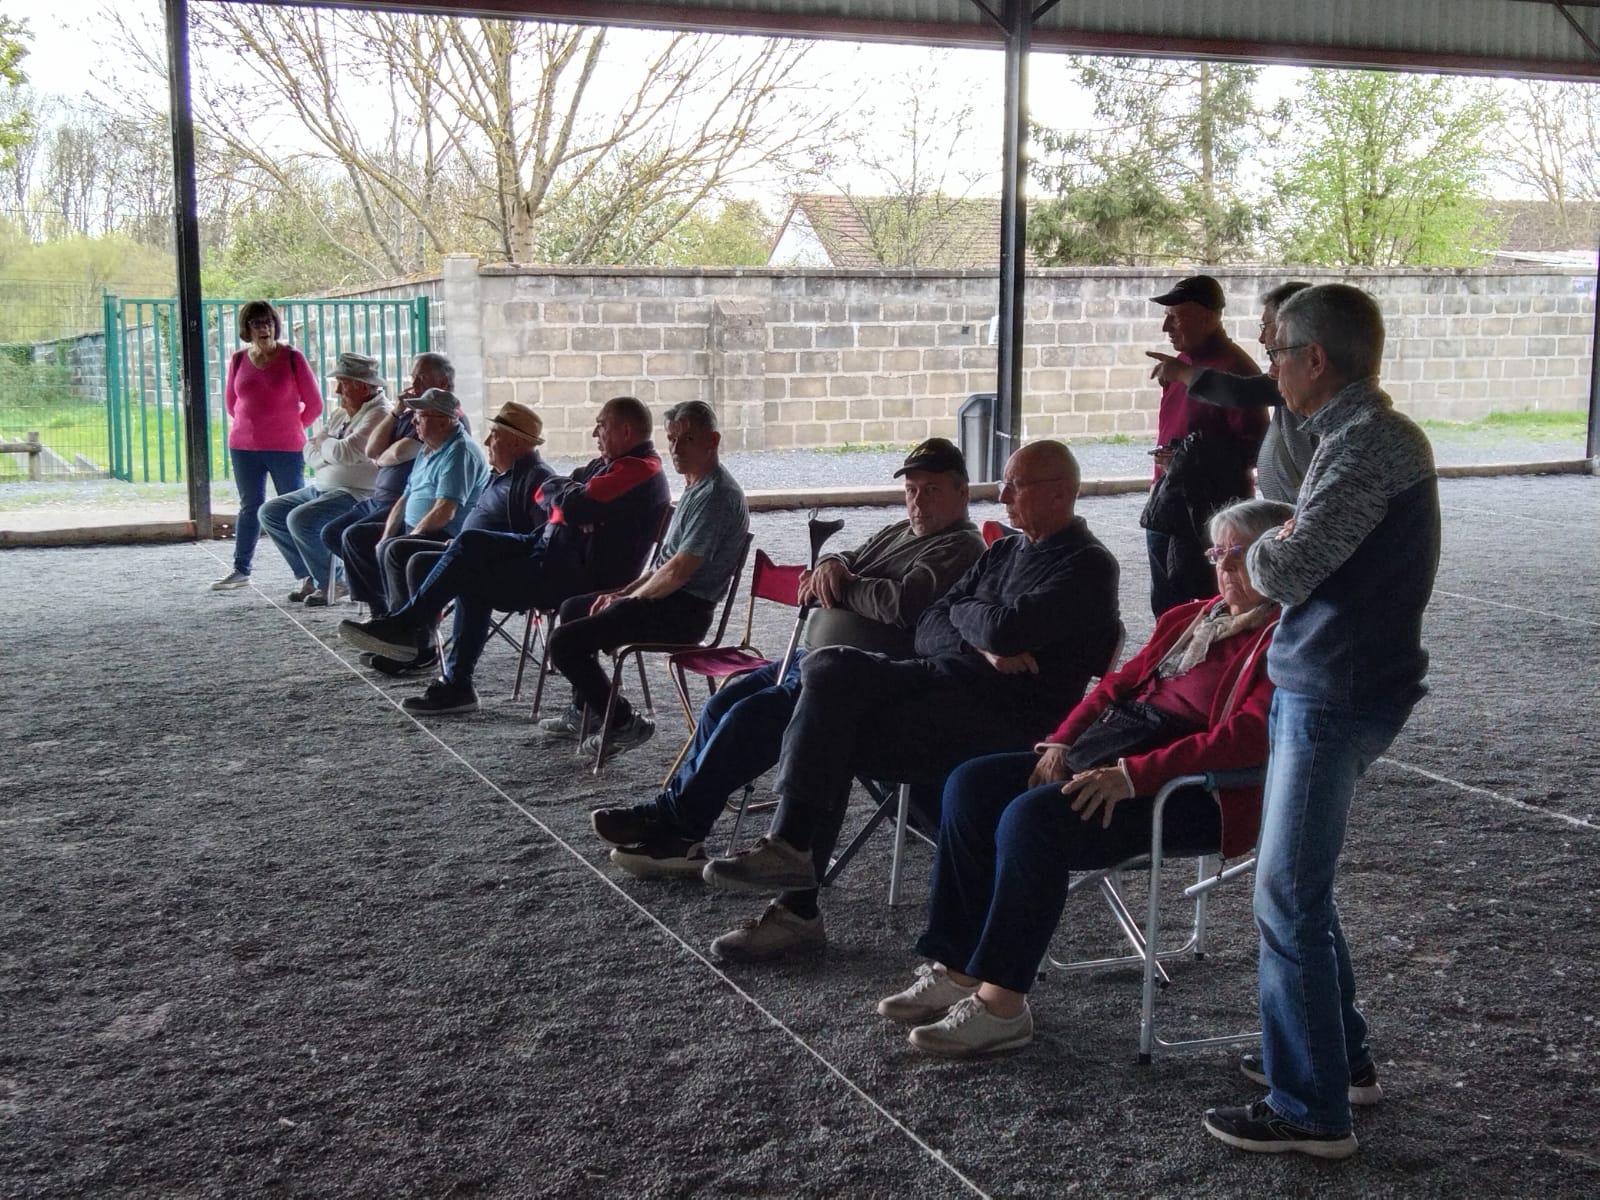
(1000,657)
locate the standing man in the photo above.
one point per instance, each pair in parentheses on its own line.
(674,601)
(1286,449)
(1353,570)
(1216,463)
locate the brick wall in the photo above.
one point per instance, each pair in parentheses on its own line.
(806,358)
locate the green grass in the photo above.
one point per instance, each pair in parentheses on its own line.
(1524,424)
(73,429)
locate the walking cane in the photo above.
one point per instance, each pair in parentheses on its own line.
(820,532)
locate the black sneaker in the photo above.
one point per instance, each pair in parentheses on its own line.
(423,664)
(1261,1130)
(1364,1087)
(664,856)
(387,636)
(441,699)
(627,826)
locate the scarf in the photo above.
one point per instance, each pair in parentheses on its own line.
(1215,625)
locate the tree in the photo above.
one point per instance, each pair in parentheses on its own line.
(1386,171)
(16,125)
(523,140)
(1551,145)
(1157,178)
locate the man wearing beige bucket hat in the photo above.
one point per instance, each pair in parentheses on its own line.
(506,505)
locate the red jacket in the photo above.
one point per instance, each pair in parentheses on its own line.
(1235,738)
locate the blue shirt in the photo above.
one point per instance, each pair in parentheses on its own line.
(506,503)
(455,471)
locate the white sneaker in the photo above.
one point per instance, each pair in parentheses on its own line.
(777,934)
(771,865)
(970,1030)
(929,998)
(232,581)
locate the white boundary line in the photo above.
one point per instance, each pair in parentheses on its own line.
(733,986)
(1579,822)
(1537,612)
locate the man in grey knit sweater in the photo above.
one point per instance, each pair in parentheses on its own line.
(1353,571)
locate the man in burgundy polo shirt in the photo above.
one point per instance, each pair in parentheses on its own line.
(1220,458)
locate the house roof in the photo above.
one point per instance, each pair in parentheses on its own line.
(1538,226)
(886,231)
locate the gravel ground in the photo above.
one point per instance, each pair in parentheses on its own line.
(263,934)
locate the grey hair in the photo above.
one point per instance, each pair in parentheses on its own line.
(694,412)
(433,360)
(1275,297)
(1343,320)
(1249,518)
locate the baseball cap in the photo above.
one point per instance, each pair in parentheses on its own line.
(1198,289)
(436,400)
(935,454)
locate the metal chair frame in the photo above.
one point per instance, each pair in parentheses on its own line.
(1145,939)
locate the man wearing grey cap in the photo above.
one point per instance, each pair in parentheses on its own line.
(445,481)
(1218,445)
(870,598)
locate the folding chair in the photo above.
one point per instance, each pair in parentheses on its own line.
(993,531)
(637,651)
(768,581)
(1145,939)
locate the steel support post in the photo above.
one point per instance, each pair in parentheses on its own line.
(1018,17)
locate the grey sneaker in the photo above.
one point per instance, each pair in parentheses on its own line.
(635,731)
(662,857)
(777,933)
(232,581)
(568,723)
(771,865)
(970,1030)
(1364,1086)
(932,995)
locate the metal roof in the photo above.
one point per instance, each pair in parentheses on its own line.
(1544,38)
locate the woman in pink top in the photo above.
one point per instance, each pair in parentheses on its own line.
(272,398)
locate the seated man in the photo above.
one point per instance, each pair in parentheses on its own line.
(869,598)
(393,445)
(342,477)
(600,523)
(1007,650)
(506,505)
(674,601)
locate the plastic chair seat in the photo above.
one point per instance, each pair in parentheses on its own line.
(719,662)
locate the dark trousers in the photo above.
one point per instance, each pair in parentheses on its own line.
(396,556)
(483,570)
(359,549)
(251,468)
(1178,571)
(1005,853)
(737,737)
(898,720)
(576,644)
(369,510)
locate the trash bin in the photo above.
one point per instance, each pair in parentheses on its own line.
(975,434)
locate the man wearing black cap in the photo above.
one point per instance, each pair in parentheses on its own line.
(1216,461)
(1012,644)
(870,598)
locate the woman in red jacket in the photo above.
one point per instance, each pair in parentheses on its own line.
(1013,825)
(271,398)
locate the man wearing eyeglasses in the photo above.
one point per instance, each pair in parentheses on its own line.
(1353,571)
(1213,448)
(1001,655)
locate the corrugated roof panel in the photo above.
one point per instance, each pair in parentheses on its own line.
(1513,37)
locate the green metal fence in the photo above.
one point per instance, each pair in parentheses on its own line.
(144,418)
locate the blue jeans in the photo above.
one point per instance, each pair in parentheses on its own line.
(250,470)
(1005,851)
(295,523)
(737,737)
(1312,1034)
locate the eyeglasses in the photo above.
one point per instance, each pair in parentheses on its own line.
(1274,351)
(1016,485)
(261,323)
(1221,554)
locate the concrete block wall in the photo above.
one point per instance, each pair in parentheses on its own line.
(824,358)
